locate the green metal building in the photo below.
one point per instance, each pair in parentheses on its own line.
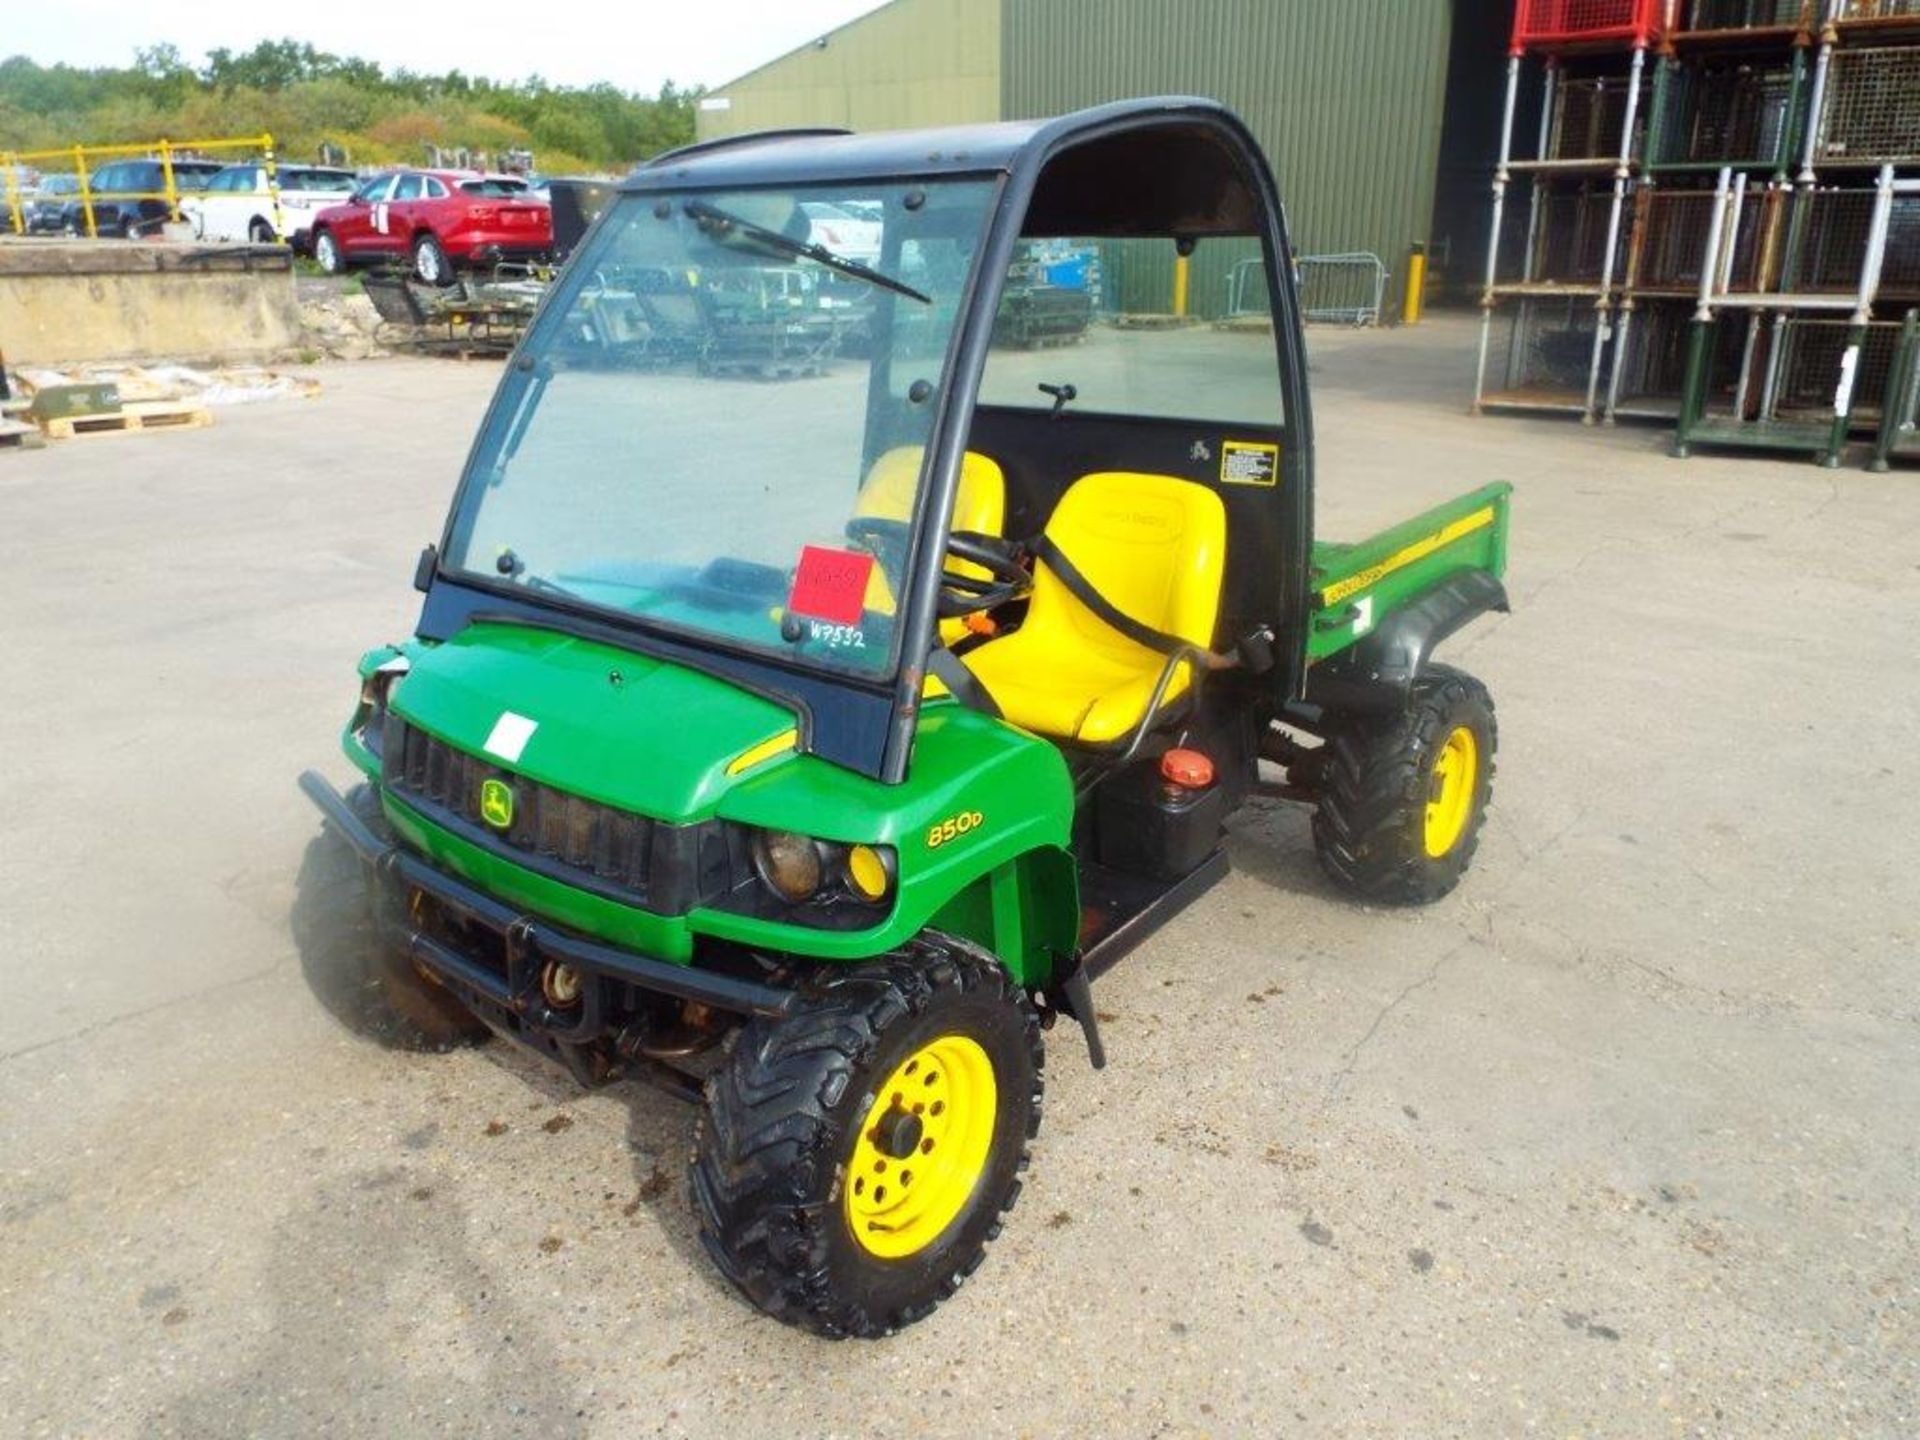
(1348,98)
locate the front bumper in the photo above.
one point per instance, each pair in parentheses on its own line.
(528,944)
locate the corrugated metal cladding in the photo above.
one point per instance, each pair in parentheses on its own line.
(911,63)
(1346,97)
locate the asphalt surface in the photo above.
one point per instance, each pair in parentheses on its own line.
(1619,1139)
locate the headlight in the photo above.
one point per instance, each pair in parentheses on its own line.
(798,868)
(790,864)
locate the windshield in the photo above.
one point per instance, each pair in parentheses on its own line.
(291,179)
(717,425)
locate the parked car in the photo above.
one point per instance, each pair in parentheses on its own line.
(45,211)
(237,205)
(434,219)
(129,195)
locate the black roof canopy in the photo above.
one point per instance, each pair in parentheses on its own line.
(1169,183)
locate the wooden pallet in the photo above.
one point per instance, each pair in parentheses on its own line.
(145,415)
(15,435)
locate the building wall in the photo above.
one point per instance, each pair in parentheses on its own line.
(911,63)
(1346,99)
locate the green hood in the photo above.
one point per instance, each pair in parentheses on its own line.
(614,726)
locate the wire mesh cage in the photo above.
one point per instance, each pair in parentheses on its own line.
(1589,113)
(1814,374)
(1900,411)
(1551,24)
(1674,226)
(1871,114)
(1558,236)
(1709,16)
(1866,11)
(1726,111)
(1829,238)
(1651,361)
(1542,354)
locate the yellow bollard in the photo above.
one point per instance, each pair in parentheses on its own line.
(1182,266)
(1416,284)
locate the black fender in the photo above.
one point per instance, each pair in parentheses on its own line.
(1377,673)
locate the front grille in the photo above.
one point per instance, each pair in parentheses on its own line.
(612,846)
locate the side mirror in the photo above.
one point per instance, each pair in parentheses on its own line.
(356,198)
(424,567)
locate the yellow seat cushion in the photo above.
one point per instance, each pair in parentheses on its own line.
(1155,548)
(980,504)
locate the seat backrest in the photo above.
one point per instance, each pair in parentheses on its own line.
(1153,546)
(980,503)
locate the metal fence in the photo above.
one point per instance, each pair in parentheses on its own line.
(1871,113)
(166,152)
(1344,289)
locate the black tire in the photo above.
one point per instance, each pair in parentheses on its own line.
(1375,784)
(363,982)
(259,232)
(327,253)
(430,263)
(782,1116)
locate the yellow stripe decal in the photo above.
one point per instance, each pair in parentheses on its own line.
(1400,559)
(775,745)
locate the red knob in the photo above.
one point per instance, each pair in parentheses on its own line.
(1188,769)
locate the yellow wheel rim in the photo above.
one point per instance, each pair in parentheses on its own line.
(922,1148)
(1450,798)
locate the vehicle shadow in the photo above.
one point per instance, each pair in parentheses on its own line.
(1271,842)
(383,1321)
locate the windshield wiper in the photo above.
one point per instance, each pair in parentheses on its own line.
(786,244)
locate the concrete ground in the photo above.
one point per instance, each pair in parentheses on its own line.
(1619,1139)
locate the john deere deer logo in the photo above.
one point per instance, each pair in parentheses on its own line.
(496,803)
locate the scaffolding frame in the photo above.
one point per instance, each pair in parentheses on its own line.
(1552,26)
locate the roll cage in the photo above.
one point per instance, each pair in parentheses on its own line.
(1170,168)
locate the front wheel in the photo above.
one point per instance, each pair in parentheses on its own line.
(1402,800)
(856,1155)
(327,253)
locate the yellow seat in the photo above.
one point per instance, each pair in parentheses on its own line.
(1155,549)
(980,504)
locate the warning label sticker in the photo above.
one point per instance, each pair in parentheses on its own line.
(1249,462)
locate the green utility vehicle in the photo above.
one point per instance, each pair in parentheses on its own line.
(808,749)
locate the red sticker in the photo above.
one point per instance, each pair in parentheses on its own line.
(831,585)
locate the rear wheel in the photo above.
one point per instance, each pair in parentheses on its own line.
(352,971)
(856,1155)
(1402,799)
(261,233)
(430,263)
(327,254)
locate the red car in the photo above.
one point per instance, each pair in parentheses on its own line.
(436,219)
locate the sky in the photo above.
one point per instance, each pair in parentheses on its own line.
(633,44)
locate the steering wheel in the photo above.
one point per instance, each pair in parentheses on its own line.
(1006,578)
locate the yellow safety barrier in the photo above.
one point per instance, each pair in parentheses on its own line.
(162,150)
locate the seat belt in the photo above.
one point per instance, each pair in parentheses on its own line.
(1081,588)
(961,682)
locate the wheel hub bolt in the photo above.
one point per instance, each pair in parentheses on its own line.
(899,1133)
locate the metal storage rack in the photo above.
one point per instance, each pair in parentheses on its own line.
(1797,382)
(1552,278)
(1807,112)
(1899,434)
